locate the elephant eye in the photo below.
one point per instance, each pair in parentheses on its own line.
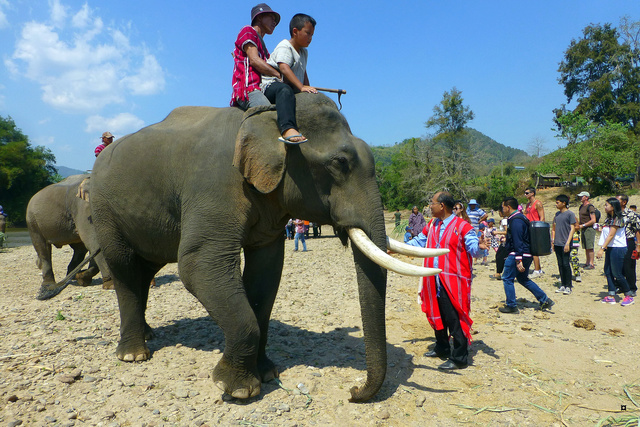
(341,162)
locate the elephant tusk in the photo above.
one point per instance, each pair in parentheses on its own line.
(404,249)
(360,239)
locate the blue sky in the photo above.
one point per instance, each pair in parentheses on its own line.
(73,69)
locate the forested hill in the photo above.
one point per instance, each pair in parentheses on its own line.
(484,151)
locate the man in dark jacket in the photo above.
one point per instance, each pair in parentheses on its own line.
(516,266)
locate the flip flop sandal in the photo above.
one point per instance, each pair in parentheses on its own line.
(287,140)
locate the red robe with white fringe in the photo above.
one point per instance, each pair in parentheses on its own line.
(456,273)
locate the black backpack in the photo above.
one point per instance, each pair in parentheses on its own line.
(597,213)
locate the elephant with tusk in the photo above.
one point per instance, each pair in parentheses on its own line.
(206,184)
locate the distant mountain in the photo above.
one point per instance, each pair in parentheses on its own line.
(486,152)
(66,172)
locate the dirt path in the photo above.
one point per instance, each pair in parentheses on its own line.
(58,366)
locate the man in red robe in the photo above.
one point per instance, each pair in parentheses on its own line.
(446,298)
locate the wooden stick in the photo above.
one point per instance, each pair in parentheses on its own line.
(340,91)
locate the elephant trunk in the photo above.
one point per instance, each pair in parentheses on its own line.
(372,283)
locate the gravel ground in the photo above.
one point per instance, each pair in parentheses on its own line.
(58,365)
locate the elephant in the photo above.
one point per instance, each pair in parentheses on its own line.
(55,216)
(206,185)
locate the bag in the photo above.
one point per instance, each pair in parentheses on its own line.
(540,236)
(597,213)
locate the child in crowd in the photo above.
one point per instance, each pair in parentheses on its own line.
(484,253)
(562,231)
(290,58)
(407,234)
(490,235)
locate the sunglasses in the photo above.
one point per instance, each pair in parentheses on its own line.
(526,193)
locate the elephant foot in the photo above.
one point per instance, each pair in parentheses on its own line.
(83,279)
(107,284)
(49,290)
(267,369)
(234,381)
(129,354)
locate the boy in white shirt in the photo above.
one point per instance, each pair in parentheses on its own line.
(290,57)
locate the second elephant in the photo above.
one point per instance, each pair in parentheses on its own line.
(56,216)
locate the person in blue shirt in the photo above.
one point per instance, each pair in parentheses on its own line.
(476,214)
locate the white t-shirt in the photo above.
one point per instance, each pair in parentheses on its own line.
(618,241)
(285,53)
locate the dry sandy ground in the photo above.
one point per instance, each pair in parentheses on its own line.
(57,362)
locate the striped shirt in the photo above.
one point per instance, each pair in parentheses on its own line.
(474,217)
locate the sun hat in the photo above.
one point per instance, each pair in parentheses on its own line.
(263,8)
(584,193)
(107,135)
(473,202)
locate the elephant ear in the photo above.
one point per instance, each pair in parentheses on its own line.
(259,156)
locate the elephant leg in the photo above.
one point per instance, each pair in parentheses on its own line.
(79,252)
(215,279)
(85,277)
(43,250)
(131,276)
(262,274)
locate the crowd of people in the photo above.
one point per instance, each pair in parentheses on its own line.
(469,234)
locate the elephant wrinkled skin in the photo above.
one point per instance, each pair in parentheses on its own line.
(206,183)
(55,216)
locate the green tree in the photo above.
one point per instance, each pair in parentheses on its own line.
(449,120)
(573,126)
(601,72)
(403,180)
(24,170)
(609,151)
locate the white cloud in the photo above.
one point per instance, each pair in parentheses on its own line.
(4,22)
(84,68)
(82,19)
(58,13)
(149,78)
(119,125)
